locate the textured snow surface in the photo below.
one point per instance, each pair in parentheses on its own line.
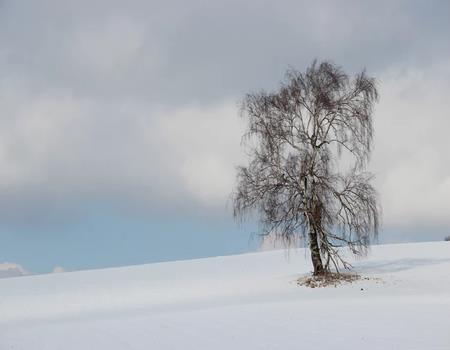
(248,301)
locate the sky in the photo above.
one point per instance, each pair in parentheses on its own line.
(119,127)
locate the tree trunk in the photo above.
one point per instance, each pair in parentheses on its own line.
(315,253)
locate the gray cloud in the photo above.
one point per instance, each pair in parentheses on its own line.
(136,104)
(171,53)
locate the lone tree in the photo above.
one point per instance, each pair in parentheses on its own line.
(309,143)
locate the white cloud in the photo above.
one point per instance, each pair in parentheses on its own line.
(411,157)
(63,149)
(11,270)
(58,269)
(205,142)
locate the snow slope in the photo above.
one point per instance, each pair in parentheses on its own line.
(248,301)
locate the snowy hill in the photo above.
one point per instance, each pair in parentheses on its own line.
(248,301)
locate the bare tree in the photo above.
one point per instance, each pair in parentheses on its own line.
(309,143)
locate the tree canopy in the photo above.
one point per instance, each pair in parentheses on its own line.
(309,143)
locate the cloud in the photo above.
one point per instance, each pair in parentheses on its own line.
(170,53)
(58,151)
(58,269)
(135,105)
(205,144)
(11,270)
(411,156)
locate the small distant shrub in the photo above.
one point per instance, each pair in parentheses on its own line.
(447,239)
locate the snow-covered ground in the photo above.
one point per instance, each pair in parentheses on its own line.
(248,301)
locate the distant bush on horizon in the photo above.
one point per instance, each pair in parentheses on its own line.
(447,239)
